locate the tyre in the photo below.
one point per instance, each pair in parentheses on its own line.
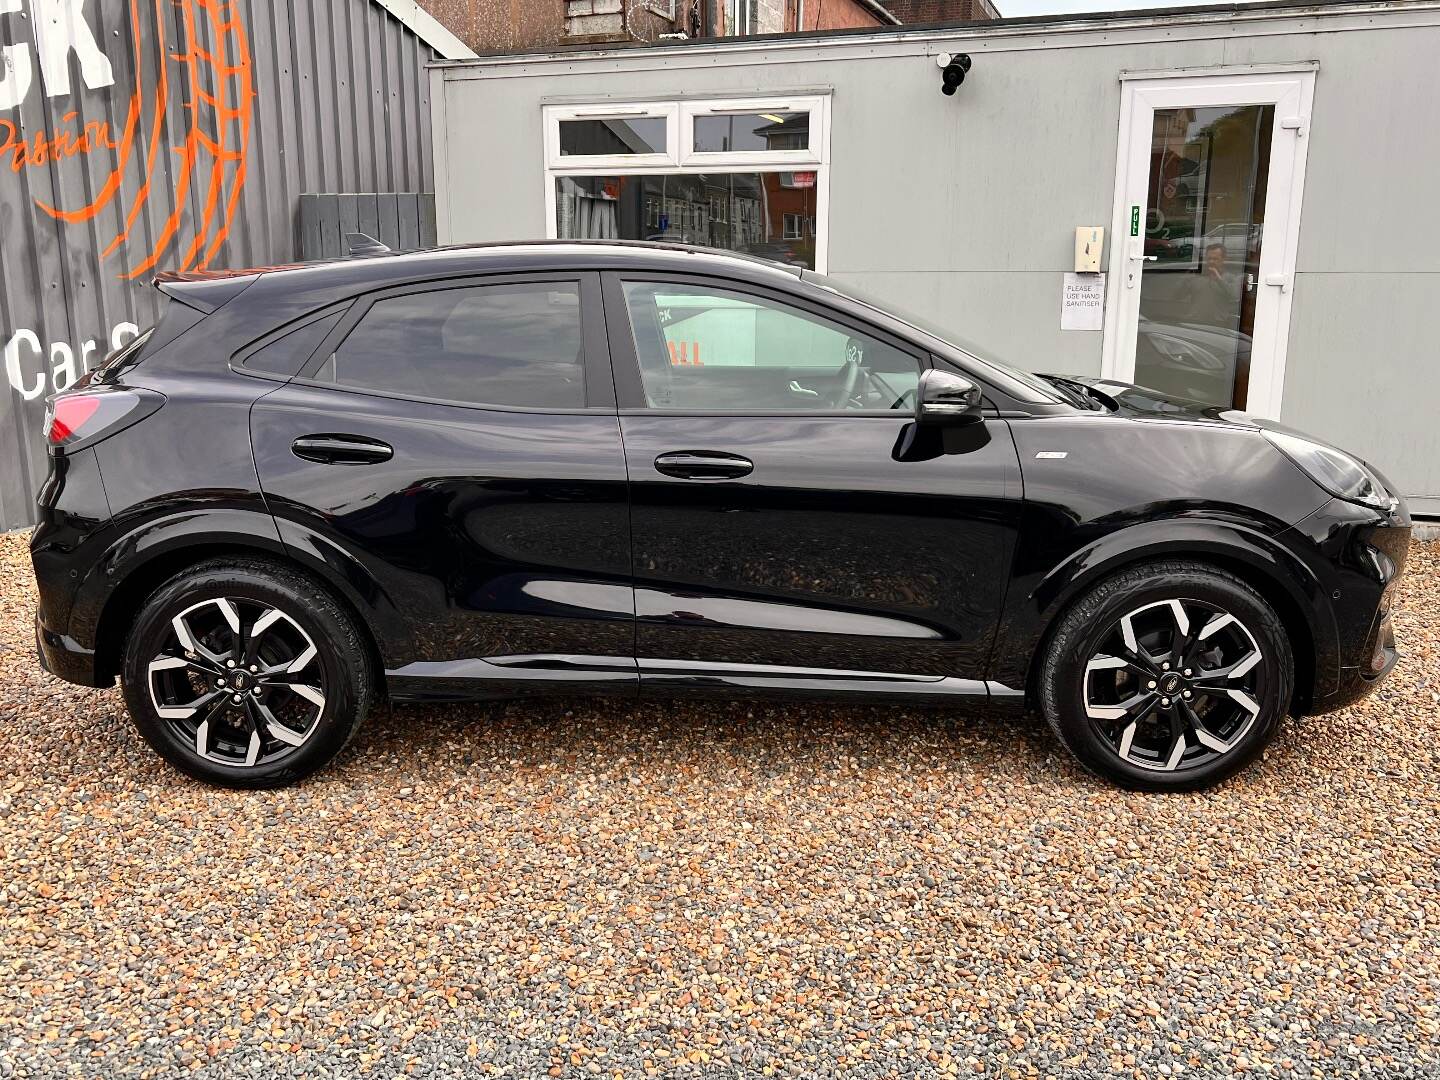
(246,674)
(1171,676)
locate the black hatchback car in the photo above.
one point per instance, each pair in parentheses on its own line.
(638,470)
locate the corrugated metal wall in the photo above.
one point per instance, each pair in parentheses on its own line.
(148,135)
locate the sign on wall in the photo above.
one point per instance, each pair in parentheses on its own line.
(125,145)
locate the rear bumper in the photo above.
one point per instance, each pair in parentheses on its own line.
(65,658)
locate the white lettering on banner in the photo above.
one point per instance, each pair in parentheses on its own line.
(12,364)
(59,29)
(65,367)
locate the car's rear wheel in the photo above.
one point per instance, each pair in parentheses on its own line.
(1170,676)
(246,674)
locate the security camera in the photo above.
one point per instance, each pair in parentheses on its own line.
(953,67)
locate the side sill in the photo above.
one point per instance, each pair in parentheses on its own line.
(530,675)
(561,675)
(670,678)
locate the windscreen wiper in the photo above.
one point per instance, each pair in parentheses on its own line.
(1084,395)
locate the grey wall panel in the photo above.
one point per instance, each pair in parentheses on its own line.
(193,153)
(981,309)
(395,219)
(1364,370)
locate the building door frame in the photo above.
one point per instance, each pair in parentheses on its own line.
(1291,89)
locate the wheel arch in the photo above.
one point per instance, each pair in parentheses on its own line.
(140,573)
(1281,578)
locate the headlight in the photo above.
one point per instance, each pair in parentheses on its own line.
(1334,470)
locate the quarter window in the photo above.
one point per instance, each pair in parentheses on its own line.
(287,355)
(512,345)
(712,349)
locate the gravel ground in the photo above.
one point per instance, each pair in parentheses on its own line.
(730,889)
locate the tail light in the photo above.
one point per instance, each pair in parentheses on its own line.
(82,418)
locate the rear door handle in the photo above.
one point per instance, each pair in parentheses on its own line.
(342,449)
(703,465)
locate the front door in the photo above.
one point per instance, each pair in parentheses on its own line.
(1207,215)
(788,529)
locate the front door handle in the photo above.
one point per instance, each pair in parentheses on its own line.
(703,465)
(342,449)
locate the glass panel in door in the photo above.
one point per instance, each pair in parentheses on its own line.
(1205,219)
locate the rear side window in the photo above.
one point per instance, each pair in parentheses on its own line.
(287,354)
(516,345)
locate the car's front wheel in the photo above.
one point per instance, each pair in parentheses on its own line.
(246,674)
(1170,676)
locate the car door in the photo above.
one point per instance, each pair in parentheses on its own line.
(458,441)
(791,528)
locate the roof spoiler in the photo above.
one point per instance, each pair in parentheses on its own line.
(206,290)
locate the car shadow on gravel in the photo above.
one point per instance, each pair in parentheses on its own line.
(765,737)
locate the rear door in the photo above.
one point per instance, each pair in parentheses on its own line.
(791,526)
(459,440)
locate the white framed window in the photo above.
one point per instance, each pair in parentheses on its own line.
(749,175)
(605,136)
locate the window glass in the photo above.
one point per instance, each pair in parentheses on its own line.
(632,135)
(728,133)
(703,348)
(287,355)
(515,345)
(742,212)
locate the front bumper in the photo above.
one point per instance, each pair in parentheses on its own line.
(1365,561)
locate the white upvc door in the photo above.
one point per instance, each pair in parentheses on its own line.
(1209,180)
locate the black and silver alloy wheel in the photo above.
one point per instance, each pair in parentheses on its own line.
(1168,676)
(246,673)
(240,679)
(1174,685)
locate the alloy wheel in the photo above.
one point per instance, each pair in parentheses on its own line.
(238,680)
(1175,685)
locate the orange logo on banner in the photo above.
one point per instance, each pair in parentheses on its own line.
(215,161)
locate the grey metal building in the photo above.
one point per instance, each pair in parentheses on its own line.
(1265,177)
(138,136)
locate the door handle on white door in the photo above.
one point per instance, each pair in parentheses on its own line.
(1136,254)
(1279,281)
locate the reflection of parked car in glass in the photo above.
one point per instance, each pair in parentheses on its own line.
(1202,363)
(1166,249)
(1239,239)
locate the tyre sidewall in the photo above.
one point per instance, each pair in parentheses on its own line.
(346,677)
(1087,625)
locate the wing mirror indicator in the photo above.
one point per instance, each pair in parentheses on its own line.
(947,398)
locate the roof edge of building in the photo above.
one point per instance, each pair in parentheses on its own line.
(428,29)
(1067,22)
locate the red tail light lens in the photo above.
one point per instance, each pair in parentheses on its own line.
(83,418)
(68,416)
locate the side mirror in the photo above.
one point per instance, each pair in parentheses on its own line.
(946,398)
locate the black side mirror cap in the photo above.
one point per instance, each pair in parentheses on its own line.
(947,398)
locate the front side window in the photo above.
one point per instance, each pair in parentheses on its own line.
(713,349)
(515,345)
